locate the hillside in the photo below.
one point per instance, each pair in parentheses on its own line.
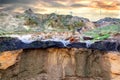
(29,21)
(58,47)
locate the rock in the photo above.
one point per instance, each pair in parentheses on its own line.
(87,38)
(9,24)
(32,19)
(113,58)
(105,45)
(8,58)
(64,64)
(88,26)
(8,43)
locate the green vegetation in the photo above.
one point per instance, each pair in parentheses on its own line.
(74,26)
(103,32)
(101,37)
(30,21)
(3,14)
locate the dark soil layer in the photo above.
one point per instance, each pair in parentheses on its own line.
(7,44)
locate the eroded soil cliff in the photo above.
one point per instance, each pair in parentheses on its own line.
(60,64)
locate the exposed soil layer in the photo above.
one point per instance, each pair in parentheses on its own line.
(63,64)
(8,44)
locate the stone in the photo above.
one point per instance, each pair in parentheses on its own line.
(64,64)
(8,58)
(114,59)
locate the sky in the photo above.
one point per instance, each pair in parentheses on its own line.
(92,9)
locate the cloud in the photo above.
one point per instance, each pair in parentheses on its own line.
(53,3)
(16,1)
(27,2)
(108,5)
(12,7)
(79,5)
(86,8)
(104,4)
(14,4)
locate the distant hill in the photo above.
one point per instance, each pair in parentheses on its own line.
(29,21)
(107,21)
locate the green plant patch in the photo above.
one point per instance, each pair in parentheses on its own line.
(103,30)
(103,33)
